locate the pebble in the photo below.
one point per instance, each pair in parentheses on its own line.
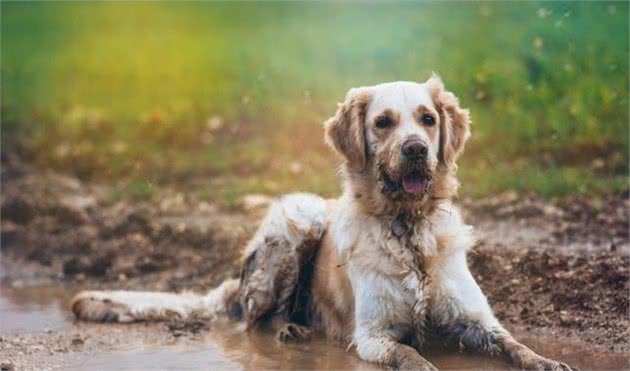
(255,201)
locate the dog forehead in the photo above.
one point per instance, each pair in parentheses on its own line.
(401,96)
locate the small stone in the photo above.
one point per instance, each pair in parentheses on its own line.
(37,348)
(77,341)
(214,123)
(295,168)
(255,201)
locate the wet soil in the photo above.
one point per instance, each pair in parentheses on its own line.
(553,270)
(557,268)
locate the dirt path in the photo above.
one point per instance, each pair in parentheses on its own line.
(555,269)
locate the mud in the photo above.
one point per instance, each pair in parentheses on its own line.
(557,268)
(553,270)
(69,233)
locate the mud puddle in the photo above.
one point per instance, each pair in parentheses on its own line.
(33,309)
(43,311)
(225,349)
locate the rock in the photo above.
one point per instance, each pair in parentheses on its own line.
(174,205)
(598,163)
(79,202)
(253,202)
(77,341)
(214,123)
(295,168)
(206,208)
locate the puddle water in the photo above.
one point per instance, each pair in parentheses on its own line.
(226,347)
(33,310)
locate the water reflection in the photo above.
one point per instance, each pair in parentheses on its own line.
(33,309)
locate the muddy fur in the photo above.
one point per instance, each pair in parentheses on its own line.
(274,259)
(467,336)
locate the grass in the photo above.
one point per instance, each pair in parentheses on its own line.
(135,189)
(230,97)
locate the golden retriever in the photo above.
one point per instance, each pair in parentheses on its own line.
(383,267)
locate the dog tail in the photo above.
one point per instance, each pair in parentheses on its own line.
(134,306)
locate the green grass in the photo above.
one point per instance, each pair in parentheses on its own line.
(135,189)
(128,90)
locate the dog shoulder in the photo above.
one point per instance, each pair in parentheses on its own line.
(346,225)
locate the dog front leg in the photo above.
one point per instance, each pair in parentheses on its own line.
(373,336)
(493,340)
(525,358)
(461,315)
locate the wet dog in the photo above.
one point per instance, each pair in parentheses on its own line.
(383,267)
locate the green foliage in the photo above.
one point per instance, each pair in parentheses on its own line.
(137,189)
(171,90)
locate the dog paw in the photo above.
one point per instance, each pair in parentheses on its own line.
(93,306)
(416,364)
(409,359)
(292,332)
(546,364)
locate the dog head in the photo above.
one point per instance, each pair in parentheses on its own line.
(400,141)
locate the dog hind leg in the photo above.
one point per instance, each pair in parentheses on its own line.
(286,239)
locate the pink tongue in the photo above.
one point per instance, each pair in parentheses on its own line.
(413,184)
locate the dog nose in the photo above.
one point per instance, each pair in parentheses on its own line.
(415,149)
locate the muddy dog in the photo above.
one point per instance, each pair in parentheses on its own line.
(383,267)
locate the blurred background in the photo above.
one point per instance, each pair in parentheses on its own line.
(228,98)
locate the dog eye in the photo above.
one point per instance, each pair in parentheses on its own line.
(383,122)
(427,119)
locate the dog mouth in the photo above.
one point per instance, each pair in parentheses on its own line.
(413,183)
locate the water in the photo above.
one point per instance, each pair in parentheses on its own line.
(33,309)
(225,346)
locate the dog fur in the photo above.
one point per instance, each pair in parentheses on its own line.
(383,267)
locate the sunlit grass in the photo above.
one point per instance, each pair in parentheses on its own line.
(236,92)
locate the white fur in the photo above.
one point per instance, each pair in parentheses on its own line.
(296,217)
(131,306)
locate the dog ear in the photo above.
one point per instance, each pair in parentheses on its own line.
(345,131)
(455,122)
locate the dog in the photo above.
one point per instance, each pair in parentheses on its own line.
(383,267)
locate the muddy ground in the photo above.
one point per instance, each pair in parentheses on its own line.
(558,269)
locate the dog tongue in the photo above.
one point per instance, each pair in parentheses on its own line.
(413,183)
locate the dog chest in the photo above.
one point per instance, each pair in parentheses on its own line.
(389,279)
